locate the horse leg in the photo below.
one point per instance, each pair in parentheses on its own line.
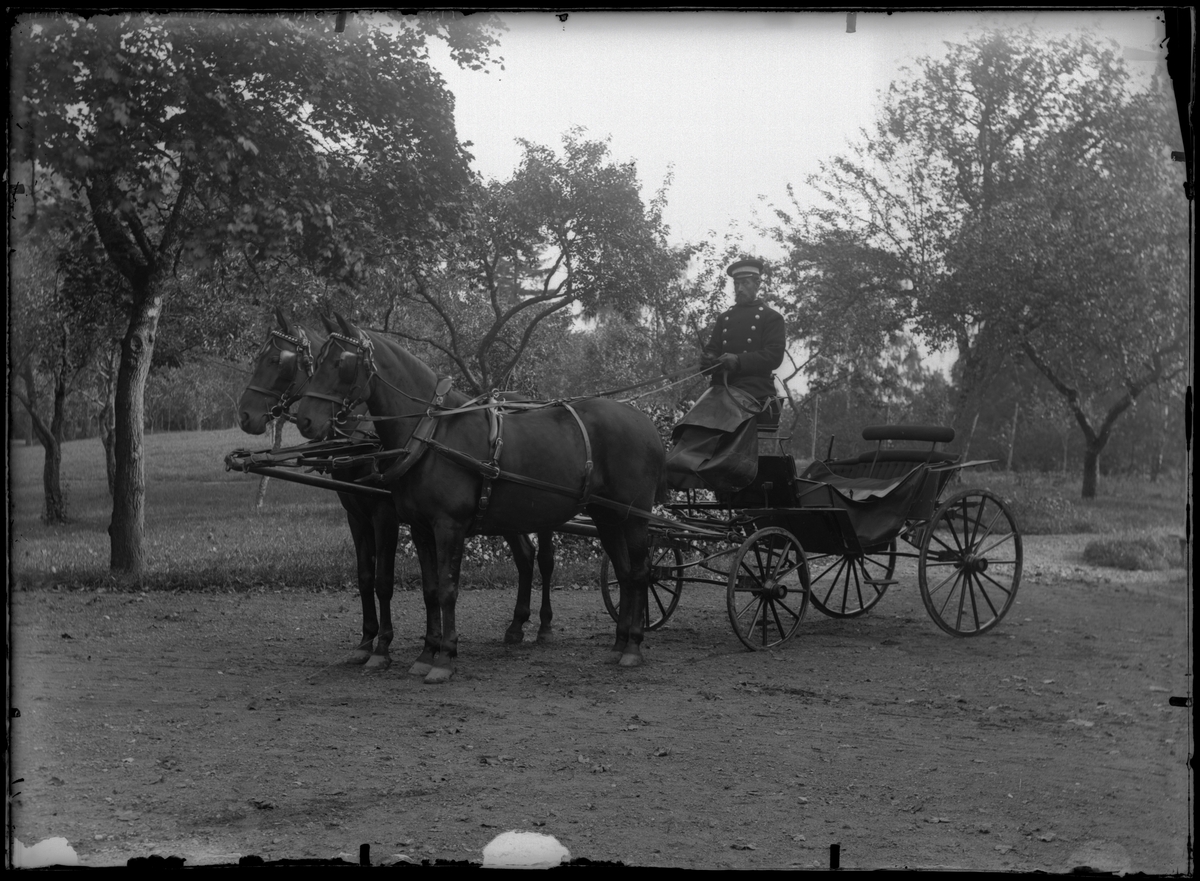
(545,558)
(627,546)
(385,527)
(449,539)
(427,557)
(522,551)
(364,553)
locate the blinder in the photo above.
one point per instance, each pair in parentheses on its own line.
(347,367)
(287,365)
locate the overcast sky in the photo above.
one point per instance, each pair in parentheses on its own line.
(740,104)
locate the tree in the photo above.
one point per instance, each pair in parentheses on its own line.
(1006,179)
(1086,265)
(193,138)
(62,308)
(953,139)
(566,235)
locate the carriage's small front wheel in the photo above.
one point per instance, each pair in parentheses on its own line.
(847,585)
(768,588)
(970,563)
(666,584)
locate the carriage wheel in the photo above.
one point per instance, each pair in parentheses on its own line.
(970,564)
(768,588)
(844,586)
(666,584)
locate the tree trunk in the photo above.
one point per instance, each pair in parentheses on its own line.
(106,421)
(970,434)
(56,509)
(816,401)
(1012,436)
(1091,470)
(50,436)
(127,529)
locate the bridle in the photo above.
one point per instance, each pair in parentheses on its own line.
(299,357)
(347,375)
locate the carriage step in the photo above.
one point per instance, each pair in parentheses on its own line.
(882,582)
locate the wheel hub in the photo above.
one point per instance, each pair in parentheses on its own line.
(972,564)
(774,590)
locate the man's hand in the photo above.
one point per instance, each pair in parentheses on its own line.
(728,362)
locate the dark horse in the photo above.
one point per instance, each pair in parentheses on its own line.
(281,369)
(593,449)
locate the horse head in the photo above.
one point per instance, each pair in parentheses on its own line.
(339,384)
(280,369)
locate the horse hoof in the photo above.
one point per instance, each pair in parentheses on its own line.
(420,668)
(514,637)
(377,664)
(615,657)
(546,638)
(630,660)
(357,658)
(438,675)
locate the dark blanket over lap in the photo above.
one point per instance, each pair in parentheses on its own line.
(877,508)
(715,446)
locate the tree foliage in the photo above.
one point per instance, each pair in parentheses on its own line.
(196,139)
(1023,188)
(568,235)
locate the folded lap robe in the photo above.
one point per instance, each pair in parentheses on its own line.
(715,446)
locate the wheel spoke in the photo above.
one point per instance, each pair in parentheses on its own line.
(943,582)
(783,605)
(999,586)
(834,581)
(752,574)
(1006,537)
(979,576)
(786,572)
(781,561)
(967,592)
(858,584)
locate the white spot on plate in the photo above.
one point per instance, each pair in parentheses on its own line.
(524,850)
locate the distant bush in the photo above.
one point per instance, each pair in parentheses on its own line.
(1141,552)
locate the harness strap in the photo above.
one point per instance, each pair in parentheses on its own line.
(496,444)
(420,438)
(586,491)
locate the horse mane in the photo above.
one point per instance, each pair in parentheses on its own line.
(381,338)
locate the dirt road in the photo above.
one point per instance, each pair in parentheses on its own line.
(211,726)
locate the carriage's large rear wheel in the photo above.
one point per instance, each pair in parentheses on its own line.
(845,586)
(970,563)
(768,588)
(666,584)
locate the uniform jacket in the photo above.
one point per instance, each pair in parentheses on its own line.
(756,334)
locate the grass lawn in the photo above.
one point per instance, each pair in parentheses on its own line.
(203,531)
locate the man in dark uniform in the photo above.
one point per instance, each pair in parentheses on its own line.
(748,341)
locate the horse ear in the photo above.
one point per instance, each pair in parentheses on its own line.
(330,327)
(284,324)
(347,328)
